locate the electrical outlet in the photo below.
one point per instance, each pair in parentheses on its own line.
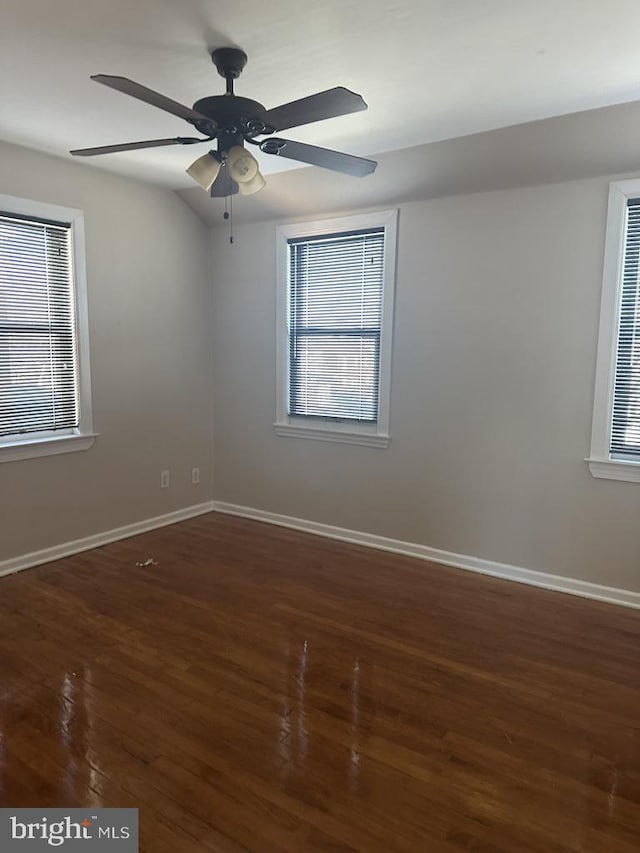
(195,476)
(164,479)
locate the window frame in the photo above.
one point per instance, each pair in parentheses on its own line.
(52,442)
(329,429)
(602,463)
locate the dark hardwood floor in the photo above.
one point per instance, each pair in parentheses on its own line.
(267,690)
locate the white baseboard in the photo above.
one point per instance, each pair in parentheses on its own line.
(573,586)
(67,549)
(624,597)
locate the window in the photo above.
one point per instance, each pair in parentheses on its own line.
(335,314)
(615,442)
(45,403)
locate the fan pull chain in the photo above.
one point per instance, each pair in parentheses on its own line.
(228,202)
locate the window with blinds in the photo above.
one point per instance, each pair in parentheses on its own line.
(625,427)
(38,358)
(335,302)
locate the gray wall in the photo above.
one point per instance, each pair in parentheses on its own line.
(497,309)
(149,310)
(496,322)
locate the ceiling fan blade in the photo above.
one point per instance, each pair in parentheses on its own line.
(324,157)
(132,146)
(223,185)
(128,87)
(333,102)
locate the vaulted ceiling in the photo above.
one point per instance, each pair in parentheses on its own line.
(430,70)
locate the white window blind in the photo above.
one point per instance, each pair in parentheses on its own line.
(334,324)
(38,361)
(625,428)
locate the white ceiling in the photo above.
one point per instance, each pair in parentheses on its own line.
(429,69)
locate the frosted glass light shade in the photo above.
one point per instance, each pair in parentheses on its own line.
(204,170)
(253,186)
(242,166)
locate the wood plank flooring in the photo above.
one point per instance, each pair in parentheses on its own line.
(267,690)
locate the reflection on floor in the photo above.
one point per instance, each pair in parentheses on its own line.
(269,690)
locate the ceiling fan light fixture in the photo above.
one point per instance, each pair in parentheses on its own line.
(243,169)
(205,170)
(242,165)
(253,186)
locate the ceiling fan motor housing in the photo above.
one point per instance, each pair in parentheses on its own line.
(231,112)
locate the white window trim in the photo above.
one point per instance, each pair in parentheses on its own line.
(601,463)
(49,443)
(370,435)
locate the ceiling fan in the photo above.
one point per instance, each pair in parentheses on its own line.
(233,120)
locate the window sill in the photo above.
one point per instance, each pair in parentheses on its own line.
(11,451)
(336,435)
(615,469)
